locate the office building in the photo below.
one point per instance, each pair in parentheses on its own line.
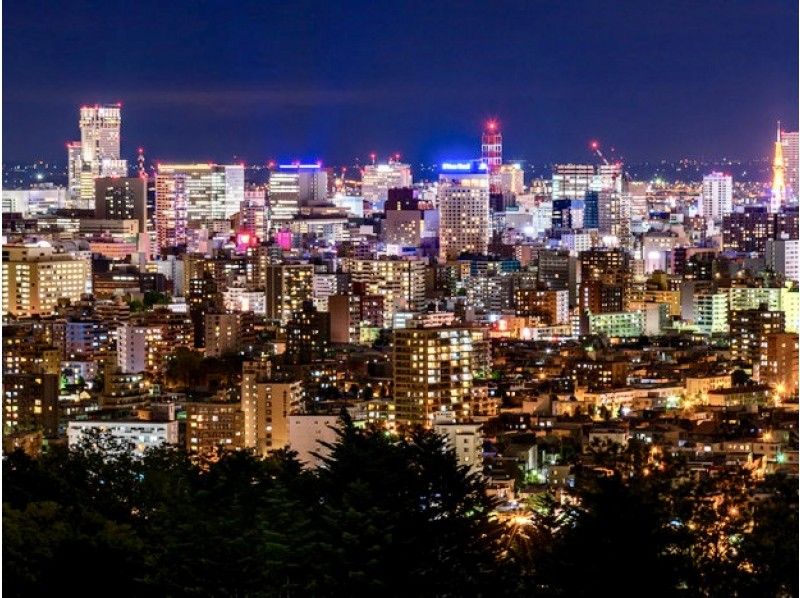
(377,179)
(572,181)
(195,195)
(99,150)
(121,198)
(253,213)
(293,186)
(614,217)
(464,217)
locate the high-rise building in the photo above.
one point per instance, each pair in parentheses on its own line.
(401,282)
(170,212)
(293,186)
(139,348)
(222,333)
(121,198)
(287,286)
(572,181)
(783,257)
(253,213)
(791,159)
(377,179)
(591,205)
(512,180)
(717,196)
(749,330)
(711,312)
(778,192)
(614,216)
(267,405)
(36,278)
(779,363)
(30,401)
(464,216)
(194,195)
(74,170)
(609,177)
(433,372)
(213,191)
(307,335)
(100,147)
(747,231)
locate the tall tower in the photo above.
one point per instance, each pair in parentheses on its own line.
(100,140)
(778,196)
(492,153)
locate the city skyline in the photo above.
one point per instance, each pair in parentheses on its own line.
(363,82)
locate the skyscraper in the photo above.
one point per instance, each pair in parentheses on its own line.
(778,194)
(377,179)
(293,186)
(465,220)
(717,196)
(100,146)
(572,181)
(74,170)
(614,216)
(194,195)
(791,159)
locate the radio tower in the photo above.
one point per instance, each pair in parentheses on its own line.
(492,153)
(778,194)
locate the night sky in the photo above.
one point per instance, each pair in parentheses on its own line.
(335,80)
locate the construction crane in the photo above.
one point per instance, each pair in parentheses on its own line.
(595,145)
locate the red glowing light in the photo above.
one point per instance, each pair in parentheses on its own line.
(595,145)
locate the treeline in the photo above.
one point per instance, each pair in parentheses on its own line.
(385,517)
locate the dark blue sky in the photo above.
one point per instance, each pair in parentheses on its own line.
(334,80)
